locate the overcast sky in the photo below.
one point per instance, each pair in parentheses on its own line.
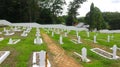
(103,5)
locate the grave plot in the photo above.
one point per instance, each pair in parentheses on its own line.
(76,41)
(3,55)
(8,33)
(13,41)
(40,59)
(104,53)
(26,31)
(38,40)
(84,55)
(24,34)
(17,29)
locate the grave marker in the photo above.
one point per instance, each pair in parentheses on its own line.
(114,52)
(61,42)
(95,39)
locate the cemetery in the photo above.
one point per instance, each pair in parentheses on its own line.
(59,33)
(93,48)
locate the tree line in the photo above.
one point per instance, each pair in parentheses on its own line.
(41,11)
(101,20)
(50,11)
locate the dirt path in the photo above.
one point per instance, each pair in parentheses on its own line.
(59,59)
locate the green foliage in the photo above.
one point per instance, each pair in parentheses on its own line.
(42,11)
(81,19)
(72,11)
(113,19)
(95,19)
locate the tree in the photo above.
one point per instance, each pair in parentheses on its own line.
(54,8)
(113,19)
(95,19)
(72,11)
(42,11)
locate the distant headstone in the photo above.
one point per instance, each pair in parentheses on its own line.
(10,41)
(4,29)
(77,33)
(38,40)
(52,34)
(114,52)
(108,38)
(95,39)
(61,41)
(84,54)
(79,39)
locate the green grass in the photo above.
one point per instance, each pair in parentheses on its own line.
(21,53)
(96,60)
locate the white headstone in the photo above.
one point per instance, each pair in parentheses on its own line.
(95,39)
(61,42)
(77,33)
(108,39)
(52,34)
(38,40)
(79,39)
(114,52)
(84,54)
(10,41)
(42,58)
(4,29)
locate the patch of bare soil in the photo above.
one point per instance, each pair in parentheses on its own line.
(57,55)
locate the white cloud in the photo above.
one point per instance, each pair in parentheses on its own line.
(103,5)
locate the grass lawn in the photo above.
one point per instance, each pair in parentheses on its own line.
(21,53)
(96,60)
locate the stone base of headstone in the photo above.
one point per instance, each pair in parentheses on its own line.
(36,62)
(87,60)
(40,41)
(3,55)
(75,41)
(24,35)
(14,41)
(9,34)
